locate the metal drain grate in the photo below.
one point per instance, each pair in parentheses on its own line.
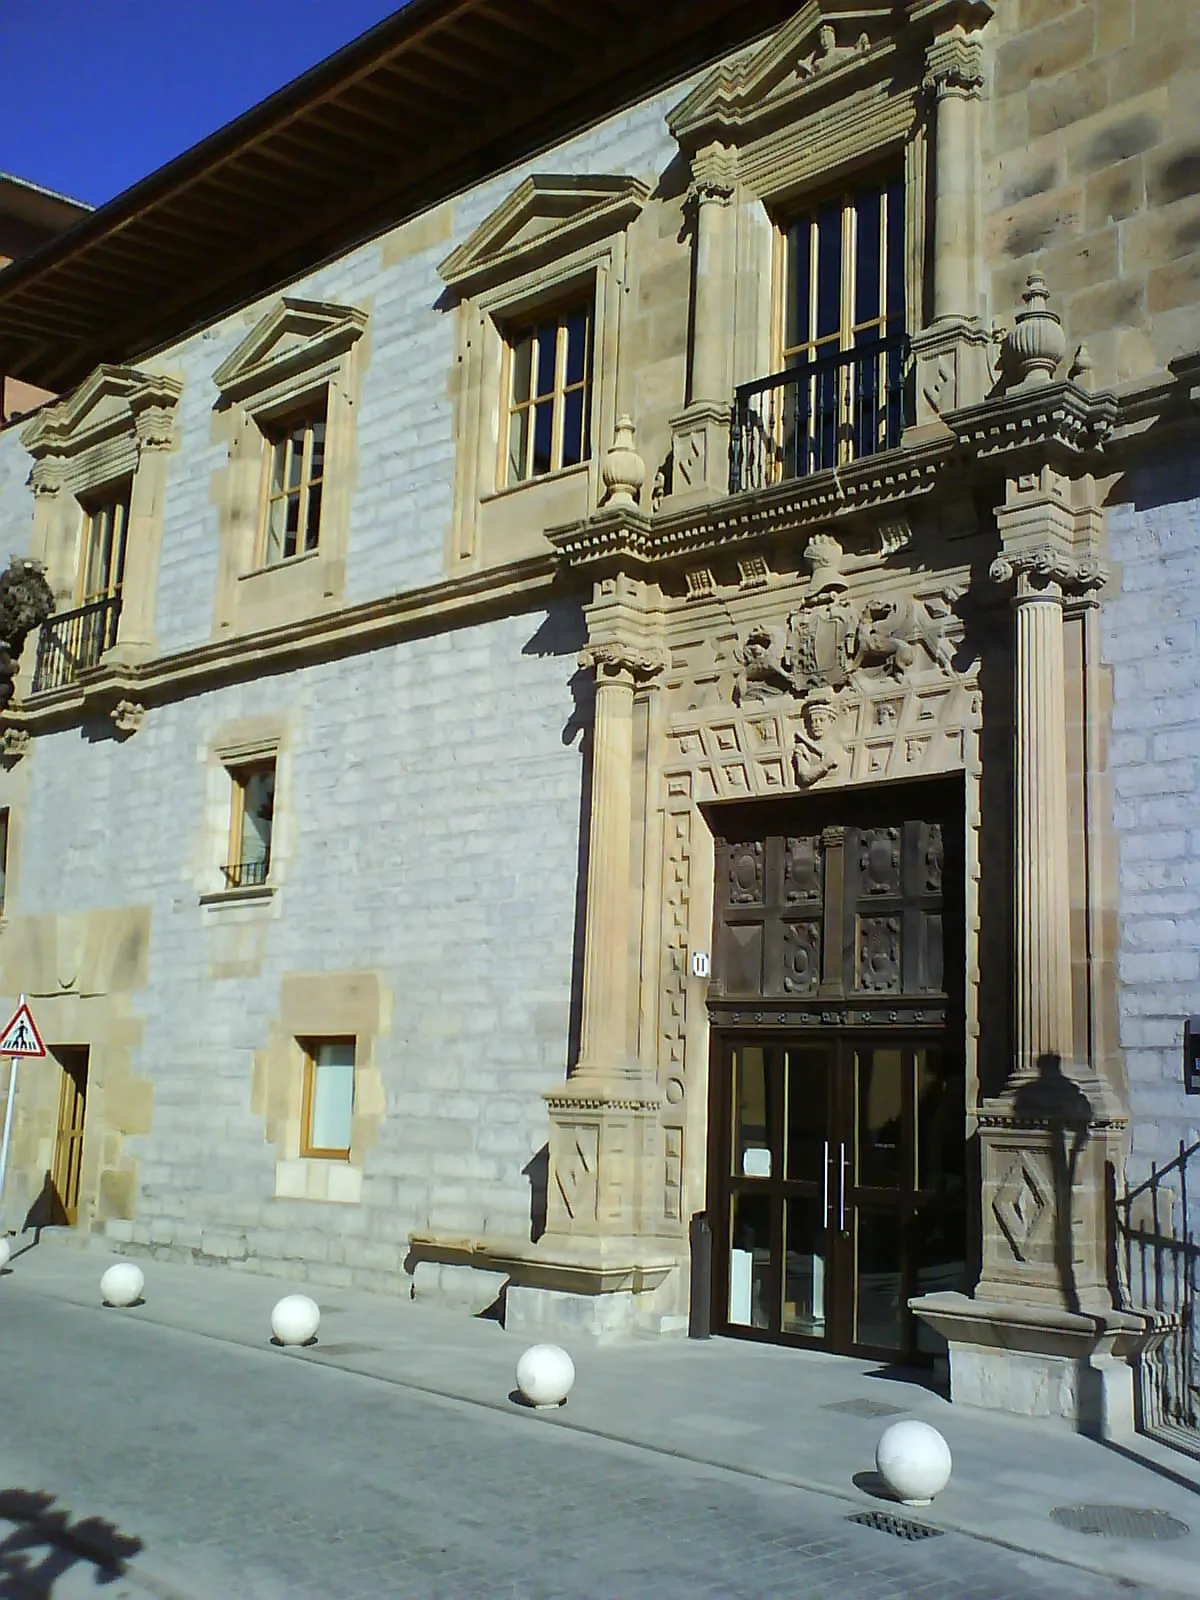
(1120,1522)
(898,1527)
(863,1408)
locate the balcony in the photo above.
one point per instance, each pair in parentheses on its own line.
(75,640)
(247,874)
(820,414)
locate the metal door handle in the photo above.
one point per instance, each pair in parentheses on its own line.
(825,1202)
(842,1198)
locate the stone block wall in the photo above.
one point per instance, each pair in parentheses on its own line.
(1151,642)
(1093,172)
(430,805)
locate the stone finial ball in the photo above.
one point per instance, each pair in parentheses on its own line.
(545,1375)
(914,1461)
(295,1319)
(122,1284)
(5,1253)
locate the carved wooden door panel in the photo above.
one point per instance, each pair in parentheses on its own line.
(68,1148)
(845,916)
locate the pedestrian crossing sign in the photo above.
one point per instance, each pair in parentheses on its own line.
(20,1037)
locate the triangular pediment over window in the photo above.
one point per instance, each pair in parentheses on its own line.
(294,336)
(543,218)
(827,43)
(105,404)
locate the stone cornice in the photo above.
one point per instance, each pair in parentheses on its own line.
(1053,419)
(349,631)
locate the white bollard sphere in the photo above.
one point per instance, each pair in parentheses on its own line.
(295,1319)
(914,1461)
(545,1375)
(5,1253)
(122,1284)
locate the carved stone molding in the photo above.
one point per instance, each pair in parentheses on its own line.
(714,174)
(1046,564)
(14,743)
(612,658)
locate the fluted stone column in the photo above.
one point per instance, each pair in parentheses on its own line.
(605,1131)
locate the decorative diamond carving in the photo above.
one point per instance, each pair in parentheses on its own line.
(1022,1205)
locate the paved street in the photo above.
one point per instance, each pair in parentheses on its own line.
(244,1474)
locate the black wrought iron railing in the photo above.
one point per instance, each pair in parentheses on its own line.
(1160,1261)
(246,874)
(75,640)
(819,414)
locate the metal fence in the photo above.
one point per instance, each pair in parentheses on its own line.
(1159,1257)
(75,640)
(820,414)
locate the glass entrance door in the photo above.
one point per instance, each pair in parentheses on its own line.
(841,1189)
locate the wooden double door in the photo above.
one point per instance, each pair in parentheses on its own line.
(837,1152)
(841,1188)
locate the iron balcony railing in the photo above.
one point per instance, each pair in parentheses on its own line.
(75,640)
(1159,1258)
(820,414)
(246,874)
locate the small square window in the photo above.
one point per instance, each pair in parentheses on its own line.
(549,395)
(328,1107)
(251,814)
(293,481)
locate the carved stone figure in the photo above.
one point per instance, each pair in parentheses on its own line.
(829,53)
(891,631)
(816,749)
(26,600)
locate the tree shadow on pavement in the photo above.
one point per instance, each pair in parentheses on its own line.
(44,1544)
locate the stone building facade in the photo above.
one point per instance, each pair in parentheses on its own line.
(629,719)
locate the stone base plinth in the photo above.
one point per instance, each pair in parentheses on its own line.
(1040,1361)
(603,1289)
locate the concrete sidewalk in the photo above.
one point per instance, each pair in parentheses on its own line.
(790,1416)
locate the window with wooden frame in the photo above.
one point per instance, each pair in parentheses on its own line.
(3,856)
(328,1103)
(549,390)
(841,329)
(105,531)
(292,484)
(251,814)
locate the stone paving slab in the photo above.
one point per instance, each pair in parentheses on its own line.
(758,1410)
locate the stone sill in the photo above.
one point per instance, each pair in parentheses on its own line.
(255,894)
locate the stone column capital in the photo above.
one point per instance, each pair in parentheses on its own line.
(714,175)
(153,426)
(1048,573)
(954,66)
(46,476)
(615,660)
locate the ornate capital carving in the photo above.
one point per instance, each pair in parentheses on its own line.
(14,743)
(1047,565)
(127,716)
(714,175)
(45,477)
(954,65)
(613,658)
(153,427)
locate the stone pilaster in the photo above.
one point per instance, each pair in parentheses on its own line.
(951,350)
(135,639)
(700,433)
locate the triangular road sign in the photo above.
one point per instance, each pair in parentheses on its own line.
(20,1037)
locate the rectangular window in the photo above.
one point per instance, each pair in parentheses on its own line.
(293,477)
(843,327)
(550,395)
(251,814)
(328,1098)
(3,856)
(106,526)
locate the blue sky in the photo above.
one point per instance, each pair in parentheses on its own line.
(98,93)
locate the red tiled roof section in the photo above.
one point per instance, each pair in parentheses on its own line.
(434,98)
